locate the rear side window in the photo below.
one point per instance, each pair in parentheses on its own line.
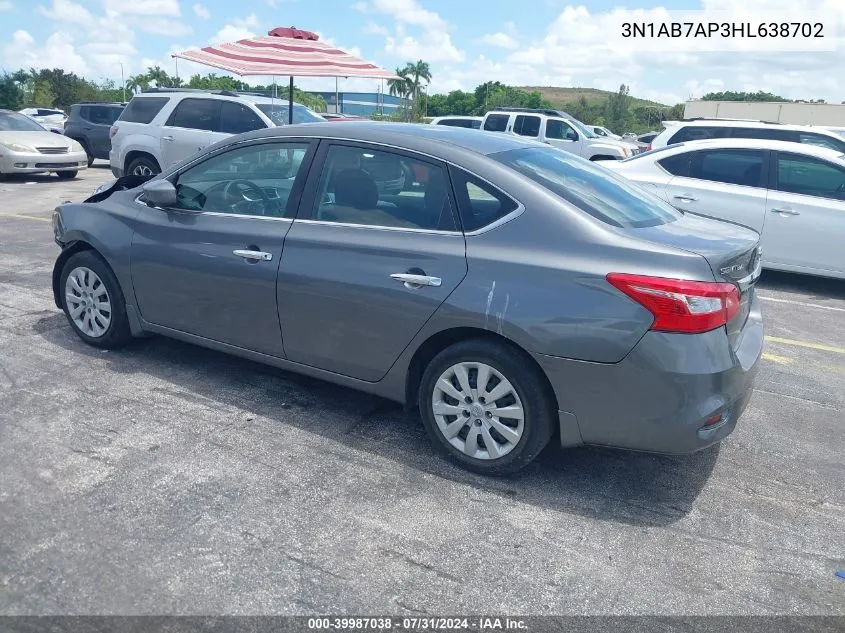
(480,204)
(767,133)
(195,114)
(730,166)
(589,187)
(677,165)
(527,125)
(143,109)
(496,122)
(236,118)
(101,115)
(698,133)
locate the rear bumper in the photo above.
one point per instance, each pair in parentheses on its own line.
(661,395)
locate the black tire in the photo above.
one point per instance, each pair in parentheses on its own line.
(141,164)
(87,152)
(67,175)
(530,385)
(117,333)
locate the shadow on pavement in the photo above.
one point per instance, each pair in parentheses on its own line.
(818,287)
(604,484)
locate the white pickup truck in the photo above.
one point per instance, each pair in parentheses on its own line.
(553,128)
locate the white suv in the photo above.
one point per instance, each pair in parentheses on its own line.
(703,129)
(559,131)
(161,128)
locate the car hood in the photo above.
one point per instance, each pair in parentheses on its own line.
(36,139)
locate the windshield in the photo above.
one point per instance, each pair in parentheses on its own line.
(582,128)
(590,187)
(278,113)
(13,122)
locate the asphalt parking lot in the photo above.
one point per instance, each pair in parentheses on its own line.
(165,478)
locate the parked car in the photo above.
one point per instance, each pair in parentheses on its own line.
(563,133)
(639,328)
(89,124)
(27,148)
(792,194)
(158,129)
(702,129)
(52,119)
(334,116)
(473,122)
(603,131)
(647,138)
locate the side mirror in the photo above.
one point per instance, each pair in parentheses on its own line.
(159,193)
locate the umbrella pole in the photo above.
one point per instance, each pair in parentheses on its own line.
(290,102)
(336,98)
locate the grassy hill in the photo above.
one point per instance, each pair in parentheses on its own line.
(561,96)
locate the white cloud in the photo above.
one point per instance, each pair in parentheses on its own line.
(201,12)
(238,29)
(371,28)
(499,40)
(58,51)
(5,5)
(430,40)
(67,11)
(164,26)
(143,7)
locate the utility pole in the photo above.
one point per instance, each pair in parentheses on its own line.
(123,81)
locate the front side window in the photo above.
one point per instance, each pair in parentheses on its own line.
(195,114)
(253,180)
(810,177)
(589,187)
(527,126)
(557,129)
(822,141)
(375,188)
(729,166)
(143,109)
(278,113)
(236,118)
(496,123)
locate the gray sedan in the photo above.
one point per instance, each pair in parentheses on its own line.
(509,291)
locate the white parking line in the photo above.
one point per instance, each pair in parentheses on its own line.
(800,303)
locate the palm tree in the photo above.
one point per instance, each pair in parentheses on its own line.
(401,87)
(418,72)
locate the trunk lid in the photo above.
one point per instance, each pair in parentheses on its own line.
(732,251)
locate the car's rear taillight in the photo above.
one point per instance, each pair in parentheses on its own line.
(680,305)
(112,131)
(648,147)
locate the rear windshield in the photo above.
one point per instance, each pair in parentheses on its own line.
(143,109)
(590,187)
(278,113)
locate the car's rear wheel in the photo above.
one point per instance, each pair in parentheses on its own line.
(93,301)
(143,166)
(67,175)
(486,405)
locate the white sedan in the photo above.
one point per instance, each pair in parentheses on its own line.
(793,194)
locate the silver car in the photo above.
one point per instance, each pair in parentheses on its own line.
(791,193)
(27,148)
(510,292)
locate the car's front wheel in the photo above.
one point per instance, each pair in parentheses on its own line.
(93,301)
(486,405)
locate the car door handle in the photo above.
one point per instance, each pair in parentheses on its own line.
(786,211)
(415,281)
(685,198)
(258,256)
(166,138)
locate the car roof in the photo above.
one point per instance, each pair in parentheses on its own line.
(751,124)
(753,143)
(435,140)
(458,116)
(200,94)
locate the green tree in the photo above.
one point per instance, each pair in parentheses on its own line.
(617,110)
(730,95)
(42,95)
(401,87)
(11,94)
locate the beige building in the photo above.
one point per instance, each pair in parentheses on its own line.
(826,114)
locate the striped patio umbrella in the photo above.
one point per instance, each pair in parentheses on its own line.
(285,52)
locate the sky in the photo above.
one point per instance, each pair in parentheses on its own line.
(466,42)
